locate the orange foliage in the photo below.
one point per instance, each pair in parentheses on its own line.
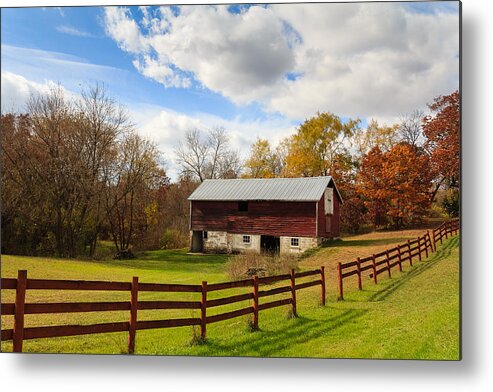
(442,132)
(395,185)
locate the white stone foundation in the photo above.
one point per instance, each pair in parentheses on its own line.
(223,242)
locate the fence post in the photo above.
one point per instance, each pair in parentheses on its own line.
(419,248)
(434,241)
(203,311)
(293,294)
(446,229)
(20,300)
(255,303)
(400,257)
(427,238)
(322,277)
(132,329)
(441,235)
(374,265)
(358,268)
(388,262)
(339,281)
(409,250)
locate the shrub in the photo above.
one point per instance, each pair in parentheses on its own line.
(173,239)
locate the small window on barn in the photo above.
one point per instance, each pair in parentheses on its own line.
(247,239)
(295,242)
(243,206)
(205,235)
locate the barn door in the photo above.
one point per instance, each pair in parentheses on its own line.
(328,222)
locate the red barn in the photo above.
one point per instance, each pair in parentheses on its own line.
(288,215)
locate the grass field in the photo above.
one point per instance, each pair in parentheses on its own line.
(415,314)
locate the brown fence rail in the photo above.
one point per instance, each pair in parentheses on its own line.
(18,309)
(379,263)
(450,227)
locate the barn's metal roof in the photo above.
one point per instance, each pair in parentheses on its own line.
(285,189)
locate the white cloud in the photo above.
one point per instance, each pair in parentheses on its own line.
(242,56)
(16,91)
(358,60)
(70,30)
(124,30)
(167,128)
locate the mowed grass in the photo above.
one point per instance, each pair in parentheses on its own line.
(414,314)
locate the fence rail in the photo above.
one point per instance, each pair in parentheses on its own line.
(20,308)
(384,261)
(450,227)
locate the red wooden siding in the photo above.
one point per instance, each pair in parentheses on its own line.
(328,225)
(274,218)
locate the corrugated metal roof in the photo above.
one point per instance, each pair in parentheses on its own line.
(286,189)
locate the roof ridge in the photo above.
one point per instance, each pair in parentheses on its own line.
(280,188)
(267,178)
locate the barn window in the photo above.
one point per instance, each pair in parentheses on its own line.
(205,235)
(243,206)
(246,239)
(295,242)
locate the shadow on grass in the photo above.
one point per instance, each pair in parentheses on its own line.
(170,260)
(301,330)
(182,256)
(418,269)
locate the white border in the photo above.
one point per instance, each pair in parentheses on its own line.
(473,373)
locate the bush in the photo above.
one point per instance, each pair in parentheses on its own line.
(173,239)
(246,265)
(451,203)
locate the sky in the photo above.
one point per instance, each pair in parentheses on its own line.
(256,70)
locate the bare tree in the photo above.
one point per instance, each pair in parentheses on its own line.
(410,129)
(207,157)
(193,154)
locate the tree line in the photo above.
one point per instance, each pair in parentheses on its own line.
(76,174)
(389,176)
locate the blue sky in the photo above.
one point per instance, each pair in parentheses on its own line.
(256,70)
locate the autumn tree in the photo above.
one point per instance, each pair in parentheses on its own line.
(395,185)
(371,186)
(407,176)
(59,162)
(134,173)
(318,144)
(442,130)
(375,135)
(263,161)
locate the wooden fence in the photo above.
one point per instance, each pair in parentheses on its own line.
(18,309)
(379,263)
(450,227)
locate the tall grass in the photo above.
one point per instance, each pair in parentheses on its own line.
(249,264)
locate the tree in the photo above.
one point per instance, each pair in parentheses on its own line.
(134,174)
(375,135)
(207,157)
(60,161)
(263,162)
(395,185)
(406,174)
(372,187)
(411,130)
(442,129)
(318,143)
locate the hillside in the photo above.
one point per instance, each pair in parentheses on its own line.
(413,315)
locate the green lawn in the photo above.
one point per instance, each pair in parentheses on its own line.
(415,314)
